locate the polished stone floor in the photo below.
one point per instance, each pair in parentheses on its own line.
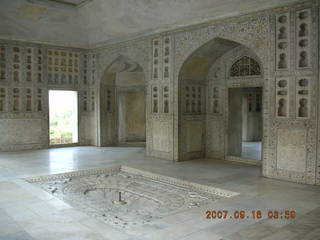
(28,212)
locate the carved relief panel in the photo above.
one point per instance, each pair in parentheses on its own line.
(16,99)
(302,97)
(93,69)
(156,59)
(85,69)
(39,66)
(166,57)
(3,64)
(85,100)
(214,101)
(16,64)
(283,41)
(3,99)
(155,99)
(63,67)
(245,66)
(303,40)
(28,100)
(39,100)
(165,99)
(161,72)
(109,101)
(282,97)
(193,99)
(92,100)
(88,100)
(29,65)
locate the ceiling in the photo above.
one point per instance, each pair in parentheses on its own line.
(89,23)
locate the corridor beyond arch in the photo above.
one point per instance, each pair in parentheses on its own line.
(204,82)
(122,112)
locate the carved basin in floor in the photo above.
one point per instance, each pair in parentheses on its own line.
(144,196)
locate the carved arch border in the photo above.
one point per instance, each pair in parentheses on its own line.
(137,52)
(252,32)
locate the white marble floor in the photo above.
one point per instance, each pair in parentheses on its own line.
(27,212)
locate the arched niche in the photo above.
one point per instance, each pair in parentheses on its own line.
(122,115)
(204,80)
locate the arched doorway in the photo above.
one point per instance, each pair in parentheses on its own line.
(122,118)
(206,82)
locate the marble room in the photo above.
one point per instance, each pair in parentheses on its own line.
(159,119)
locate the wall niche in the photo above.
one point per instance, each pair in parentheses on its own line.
(165,99)
(156,58)
(303,39)
(302,97)
(193,99)
(282,41)
(16,64)
(3,64)
(63,67)
(282,97)
(28,100)
(3,99)
(155,100)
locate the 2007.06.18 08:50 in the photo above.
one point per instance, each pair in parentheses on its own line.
(254,214)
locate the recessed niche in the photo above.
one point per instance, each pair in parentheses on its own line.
(282,19)
(303,15)
(303,82)
(282,83)
(303,43)
(303,108)
(283,45)
(282,110)
(282,33)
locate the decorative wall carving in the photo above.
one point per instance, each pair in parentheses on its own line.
(39,100)
(283,41)
(29,65)
(303,97)
(39,66)
(93,69)
(3,99)
(16,100)
(246,66)
(282,97)
(156,58)
(215,101)
(93,102)
(303,39)
(63,67)
(193,99)
(85,69)
(23,86)
(166,57)
(3,69)
(85,100)
(165,98)
(155,99)
(109,100)
(16,64)
(28,100)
